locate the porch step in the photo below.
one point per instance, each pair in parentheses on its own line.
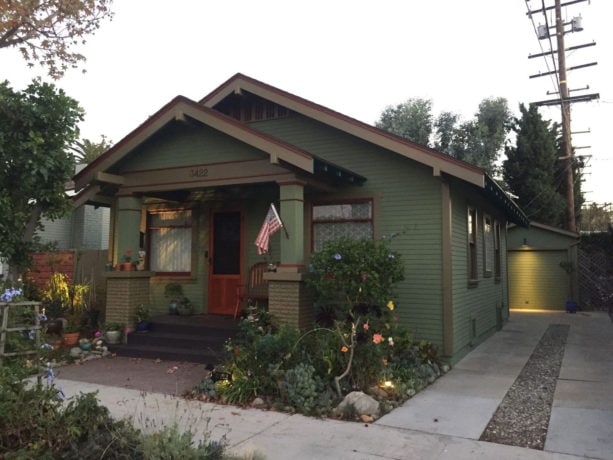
(197,338)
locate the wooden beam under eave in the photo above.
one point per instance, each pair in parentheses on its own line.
(107,178)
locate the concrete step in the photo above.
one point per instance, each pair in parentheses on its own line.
(196,338)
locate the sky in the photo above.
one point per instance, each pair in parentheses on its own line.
(352,56)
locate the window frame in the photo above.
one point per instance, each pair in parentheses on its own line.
(497,250)
(341,202)
(472,239)
(488,245)
(151,228)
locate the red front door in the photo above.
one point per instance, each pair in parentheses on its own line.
(225,261)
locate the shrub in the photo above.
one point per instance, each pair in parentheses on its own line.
(302,387)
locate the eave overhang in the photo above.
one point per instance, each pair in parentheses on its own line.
(181,108)
(494,193)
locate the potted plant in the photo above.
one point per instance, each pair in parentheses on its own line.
(127,265)
(174,292)
(185,307)
(142,319)
(71,331)
(113,333)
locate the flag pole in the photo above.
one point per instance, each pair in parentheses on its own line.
(272,205)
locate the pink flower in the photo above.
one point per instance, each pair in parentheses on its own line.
(344,349)
(97,334)
(365,326)
(377,338)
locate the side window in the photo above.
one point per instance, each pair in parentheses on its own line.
(497,251)
(488,245)
(332,221)
(472,244)
(170,237)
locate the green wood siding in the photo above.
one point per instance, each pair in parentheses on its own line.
(475,306)
(183,144)
(406,197)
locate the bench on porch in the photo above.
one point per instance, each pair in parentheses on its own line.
(255,290)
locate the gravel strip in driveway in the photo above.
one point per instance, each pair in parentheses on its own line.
(522,418)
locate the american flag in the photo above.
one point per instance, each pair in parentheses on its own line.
(271,224)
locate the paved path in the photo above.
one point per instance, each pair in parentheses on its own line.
(444,421)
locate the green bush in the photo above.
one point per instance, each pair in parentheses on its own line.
(302,387)
(35,421)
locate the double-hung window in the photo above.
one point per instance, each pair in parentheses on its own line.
(170,241)
(472,244)
(488,245)
(332,221)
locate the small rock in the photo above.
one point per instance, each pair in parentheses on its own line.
(361,402)
(366,418)
(411,392)
(445,368)
(75,352)
(258,402)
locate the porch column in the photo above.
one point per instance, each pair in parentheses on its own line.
(292,215)
(288,297)
(127,227)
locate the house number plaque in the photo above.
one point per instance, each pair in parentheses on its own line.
(199,172)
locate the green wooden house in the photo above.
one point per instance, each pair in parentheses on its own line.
(193,183)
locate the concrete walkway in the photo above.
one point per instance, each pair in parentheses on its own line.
(444,421)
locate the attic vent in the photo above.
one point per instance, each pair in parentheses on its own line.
(246,111)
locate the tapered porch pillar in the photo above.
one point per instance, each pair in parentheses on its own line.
(127,227)
(288,297)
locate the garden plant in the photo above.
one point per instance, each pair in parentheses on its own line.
(356,344)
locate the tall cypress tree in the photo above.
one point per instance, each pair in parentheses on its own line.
(532,170)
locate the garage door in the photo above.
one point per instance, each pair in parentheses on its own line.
(536,280)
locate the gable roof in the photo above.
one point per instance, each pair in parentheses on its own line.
(204,112)
(439,162)
(180,107)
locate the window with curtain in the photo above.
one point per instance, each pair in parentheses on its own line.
(170,241)
(332,221)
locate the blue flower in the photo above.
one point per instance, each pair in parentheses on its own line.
(60,394)
(391,256)
(31,334)
(47,346)
(50,374)
(42,317)
(338,256)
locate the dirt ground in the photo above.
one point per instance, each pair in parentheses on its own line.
(156,376)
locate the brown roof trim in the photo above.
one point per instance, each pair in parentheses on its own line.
(425,155)
(181,106)
(552,229)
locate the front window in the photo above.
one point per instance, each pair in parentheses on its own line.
(170,237)
(341,220)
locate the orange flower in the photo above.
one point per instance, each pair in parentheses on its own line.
(377,338)
(344,349)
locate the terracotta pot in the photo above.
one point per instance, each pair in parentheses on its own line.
(71,338)
(127,267)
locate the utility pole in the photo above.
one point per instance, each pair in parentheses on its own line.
(564,93)
(567,148)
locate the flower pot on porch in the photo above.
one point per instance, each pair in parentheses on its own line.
(126,267)
(143,326)
(71,338)
(113,337)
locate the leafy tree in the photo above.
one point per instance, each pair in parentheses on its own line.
(411,119)
(532,170)
(596,217)
(85,151)
(47,32)
(478,141)
(445,126)
(36,128)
